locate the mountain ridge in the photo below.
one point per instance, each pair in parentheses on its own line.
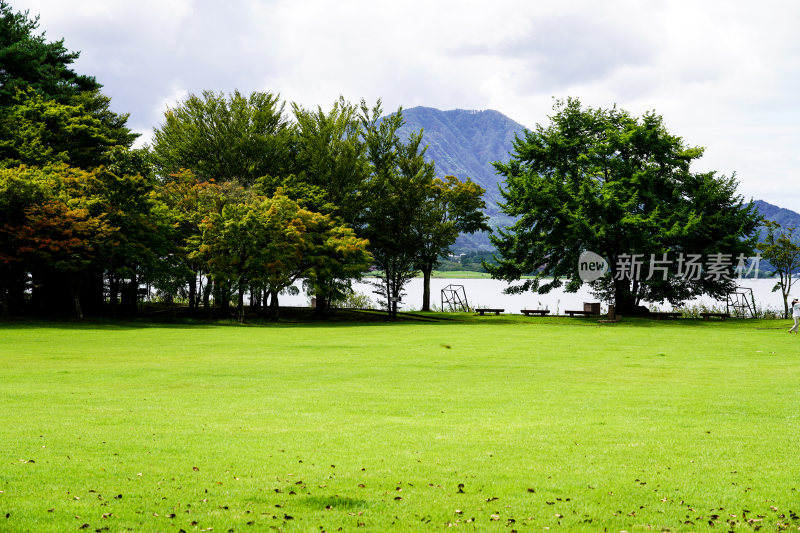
(464,143)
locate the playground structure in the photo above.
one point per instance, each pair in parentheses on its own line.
(455,297)
(741,303)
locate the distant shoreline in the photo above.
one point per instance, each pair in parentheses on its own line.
(468,274)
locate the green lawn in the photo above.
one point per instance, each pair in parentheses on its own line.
(490,424)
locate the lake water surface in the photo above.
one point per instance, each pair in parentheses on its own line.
(489,293)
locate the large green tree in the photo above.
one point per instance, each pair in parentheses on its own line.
(396,191)
(332,158)
(451,207)
(602,180)
(331,178)
(225,138)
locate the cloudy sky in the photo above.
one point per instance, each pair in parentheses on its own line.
(724,74)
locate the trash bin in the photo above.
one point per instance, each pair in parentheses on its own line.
(592,307)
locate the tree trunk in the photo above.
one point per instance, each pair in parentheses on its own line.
(222,297)
(76,297)
(624,299)
(274,306)
(113,293)
(207,296)
(321,311)
(785,292)
(193,293)
(240,302)
(133,299)
(394,296)
(427,270)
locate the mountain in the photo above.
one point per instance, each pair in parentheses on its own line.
(785,217)
(464,143)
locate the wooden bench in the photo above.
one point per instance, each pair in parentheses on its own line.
(582,313)
(495,311)
(707,316)
(660,315)
(529,312)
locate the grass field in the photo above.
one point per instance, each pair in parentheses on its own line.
(490,424)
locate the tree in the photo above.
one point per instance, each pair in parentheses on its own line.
(61,235)
(136,252)
(269,243)
(331,178)
(781,249)
(337,256)
(28,60)
(20,189)
(331,157)
(37,131)
(185,202)
(604,181)
(451,207)
(49,113)
(225,138)
(396,192)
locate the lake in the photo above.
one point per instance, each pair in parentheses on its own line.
(489,293)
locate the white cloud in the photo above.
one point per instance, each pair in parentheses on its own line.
(723,74)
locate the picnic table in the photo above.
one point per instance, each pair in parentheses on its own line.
(495,311)
(529,312)
(582,313)
(707,316)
